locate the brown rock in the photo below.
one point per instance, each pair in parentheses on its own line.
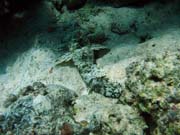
(67,129)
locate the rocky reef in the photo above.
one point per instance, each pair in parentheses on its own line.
(90,68)
(149,104)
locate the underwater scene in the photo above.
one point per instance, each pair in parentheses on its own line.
(89,67)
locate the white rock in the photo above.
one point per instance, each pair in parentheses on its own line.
(41,104)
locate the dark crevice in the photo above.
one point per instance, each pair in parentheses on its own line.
(100,53)
(145,38)
(155,78)
(149,122)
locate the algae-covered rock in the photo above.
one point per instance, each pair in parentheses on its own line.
(152,86)
(53,109)
(43,110)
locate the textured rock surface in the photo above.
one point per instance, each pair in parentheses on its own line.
(114,118)
(152,86)
(149,104)
(38,109)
